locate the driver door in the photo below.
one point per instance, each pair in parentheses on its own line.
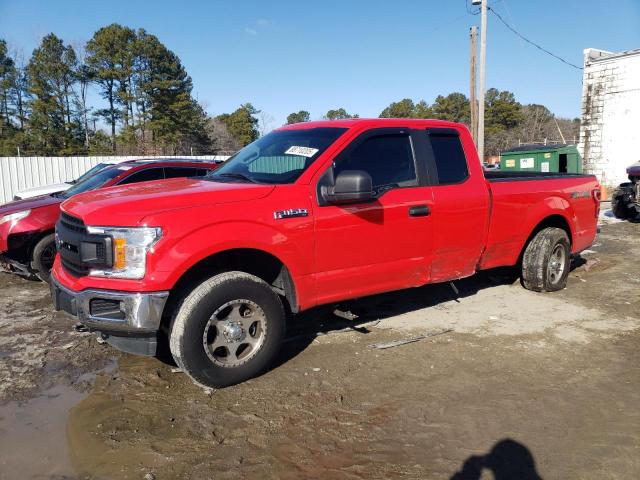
(378,245)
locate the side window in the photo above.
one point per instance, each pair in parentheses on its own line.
(177,172)
(448,154)
(144,176)
(387,158)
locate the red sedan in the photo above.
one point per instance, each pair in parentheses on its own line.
(27,241)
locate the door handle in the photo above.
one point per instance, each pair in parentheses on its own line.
(419,211)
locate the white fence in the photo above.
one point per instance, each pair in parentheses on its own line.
(19,173)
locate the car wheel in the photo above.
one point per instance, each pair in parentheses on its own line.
(546,261)
(227,330)
(44,253)
(620,200)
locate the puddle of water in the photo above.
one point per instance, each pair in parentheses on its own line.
(33,442)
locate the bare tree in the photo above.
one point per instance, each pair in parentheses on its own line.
(222,140)
(265,123)
(85,77)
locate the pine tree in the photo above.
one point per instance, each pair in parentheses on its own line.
(242,123)
(53,129)
(298,117)
(110,58)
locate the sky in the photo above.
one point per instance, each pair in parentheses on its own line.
(285,55)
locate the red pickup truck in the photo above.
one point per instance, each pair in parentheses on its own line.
(309,214)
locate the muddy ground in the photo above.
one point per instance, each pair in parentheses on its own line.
(524,384)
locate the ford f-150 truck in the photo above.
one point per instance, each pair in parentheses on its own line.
(310,214)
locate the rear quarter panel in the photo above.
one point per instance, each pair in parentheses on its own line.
(519,206)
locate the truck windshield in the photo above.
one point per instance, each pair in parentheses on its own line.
(95,181)
(279,157)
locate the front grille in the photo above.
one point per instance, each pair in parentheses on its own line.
(73,268)
(101,252)
(80,250)
(72,223)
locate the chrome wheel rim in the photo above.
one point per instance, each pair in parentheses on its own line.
(235,333)
(556,266)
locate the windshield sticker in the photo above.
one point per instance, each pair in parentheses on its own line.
(302,151)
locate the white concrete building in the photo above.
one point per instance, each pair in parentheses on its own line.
(610,126)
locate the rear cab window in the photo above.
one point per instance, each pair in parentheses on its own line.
(446,158)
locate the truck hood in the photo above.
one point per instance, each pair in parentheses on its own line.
(28,204)
(129,204)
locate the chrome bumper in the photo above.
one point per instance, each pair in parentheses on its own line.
(125,312)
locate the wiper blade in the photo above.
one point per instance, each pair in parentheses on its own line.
(240,176)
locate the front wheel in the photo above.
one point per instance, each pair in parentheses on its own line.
(227,330)
(44,253)
(546,261)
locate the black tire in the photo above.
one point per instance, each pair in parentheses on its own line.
(201,316)
(546,261)
(44,253)
(620,203)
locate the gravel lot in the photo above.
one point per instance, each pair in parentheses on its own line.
(524,385)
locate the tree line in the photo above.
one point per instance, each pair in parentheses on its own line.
(507,121)
(149,108)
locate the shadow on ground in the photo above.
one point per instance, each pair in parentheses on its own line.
(507,460)
(307,326)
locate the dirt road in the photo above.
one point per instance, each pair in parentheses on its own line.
(525,385)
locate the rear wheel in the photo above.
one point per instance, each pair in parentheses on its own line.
(229,329)
(44,253)
(546,260)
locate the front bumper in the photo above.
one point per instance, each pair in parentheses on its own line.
(127,320)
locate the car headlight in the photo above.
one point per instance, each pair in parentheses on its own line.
(130,247)
(14,217)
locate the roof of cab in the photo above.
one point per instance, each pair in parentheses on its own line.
(371,122)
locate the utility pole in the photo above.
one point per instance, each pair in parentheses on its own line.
(559,131)
(483,58)
(473,102)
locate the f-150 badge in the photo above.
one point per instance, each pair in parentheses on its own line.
(292,212)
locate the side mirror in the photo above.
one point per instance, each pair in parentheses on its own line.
(351,186)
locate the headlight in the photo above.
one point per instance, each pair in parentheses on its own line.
(130,247)
(14,217)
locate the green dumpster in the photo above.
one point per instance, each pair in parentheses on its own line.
(542,158)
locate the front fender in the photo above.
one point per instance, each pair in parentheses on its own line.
(182,254)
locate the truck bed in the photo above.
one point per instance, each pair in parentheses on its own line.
(520,199)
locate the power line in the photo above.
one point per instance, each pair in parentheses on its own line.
(529,41)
